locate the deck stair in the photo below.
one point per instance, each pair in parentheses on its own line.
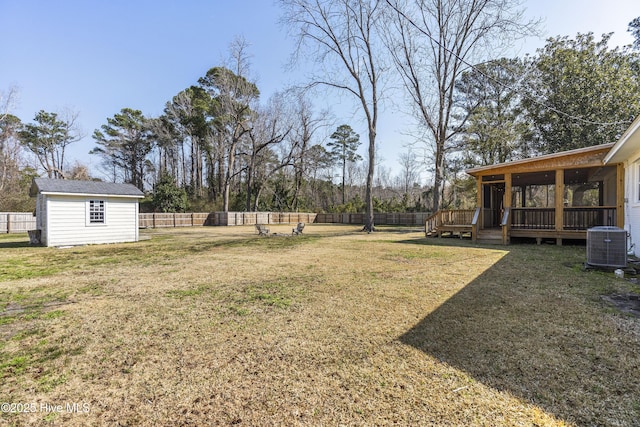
(450,231)
(451,223)
(491,236)
(462,223)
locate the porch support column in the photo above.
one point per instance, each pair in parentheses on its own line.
(559,204)
(620,195)
(507,190)
(480,195)
(506,229)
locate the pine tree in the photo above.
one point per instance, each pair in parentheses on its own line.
(343,148)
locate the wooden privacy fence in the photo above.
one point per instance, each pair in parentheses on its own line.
(380,218)
(251,218)
(17,222)
(21,222)
(157,220)
(161,220)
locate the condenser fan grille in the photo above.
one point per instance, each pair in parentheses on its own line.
(607,247)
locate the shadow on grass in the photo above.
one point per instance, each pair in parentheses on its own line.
(398,229)
(536,329)
(15,245)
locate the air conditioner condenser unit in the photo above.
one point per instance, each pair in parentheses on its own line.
(607,247)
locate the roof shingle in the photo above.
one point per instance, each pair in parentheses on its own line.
(64,186)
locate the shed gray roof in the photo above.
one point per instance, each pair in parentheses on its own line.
(64,186)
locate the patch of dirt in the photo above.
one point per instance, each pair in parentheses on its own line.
(13,308)
(627,303)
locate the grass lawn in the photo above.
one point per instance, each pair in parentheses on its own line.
(217,326)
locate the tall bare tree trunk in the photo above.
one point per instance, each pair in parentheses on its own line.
(434,42)
(369,221)
(345,34)
(228,176)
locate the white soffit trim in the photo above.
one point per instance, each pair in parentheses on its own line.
(628,143)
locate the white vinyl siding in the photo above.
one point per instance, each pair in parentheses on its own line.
(636,184)
(69,220)
(41,217)
(632,205)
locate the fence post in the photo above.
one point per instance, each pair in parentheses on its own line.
(8,223)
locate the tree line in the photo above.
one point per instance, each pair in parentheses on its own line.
(219,146)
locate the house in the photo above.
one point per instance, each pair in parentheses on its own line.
(85,212)
(627,152)
(556,196)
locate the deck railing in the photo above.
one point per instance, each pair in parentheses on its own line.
(533,218)
(583,218)
(456,217)
(452,217)
(574,218)
(449,217)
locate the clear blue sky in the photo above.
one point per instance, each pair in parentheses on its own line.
(97,57)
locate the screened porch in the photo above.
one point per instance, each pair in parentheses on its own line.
(556,196)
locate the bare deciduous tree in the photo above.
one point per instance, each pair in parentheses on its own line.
(269,128)
(9,146)
(409,169)
(7,101)
(9,150)
(14,176)
(344,40)
(306,124)
(79,171)
(432,42)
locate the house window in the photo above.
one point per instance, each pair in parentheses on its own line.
(96,212)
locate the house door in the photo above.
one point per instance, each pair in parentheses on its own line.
(492,204)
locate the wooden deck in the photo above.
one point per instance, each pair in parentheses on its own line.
(464,223)
(540,235)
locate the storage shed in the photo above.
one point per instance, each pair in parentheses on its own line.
(85,212)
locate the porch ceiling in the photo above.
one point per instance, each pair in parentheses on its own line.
(578,176)
(571,176)
(533,178)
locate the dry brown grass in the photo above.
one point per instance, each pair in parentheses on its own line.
(215,326)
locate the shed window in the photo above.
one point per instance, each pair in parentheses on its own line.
(96,212)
